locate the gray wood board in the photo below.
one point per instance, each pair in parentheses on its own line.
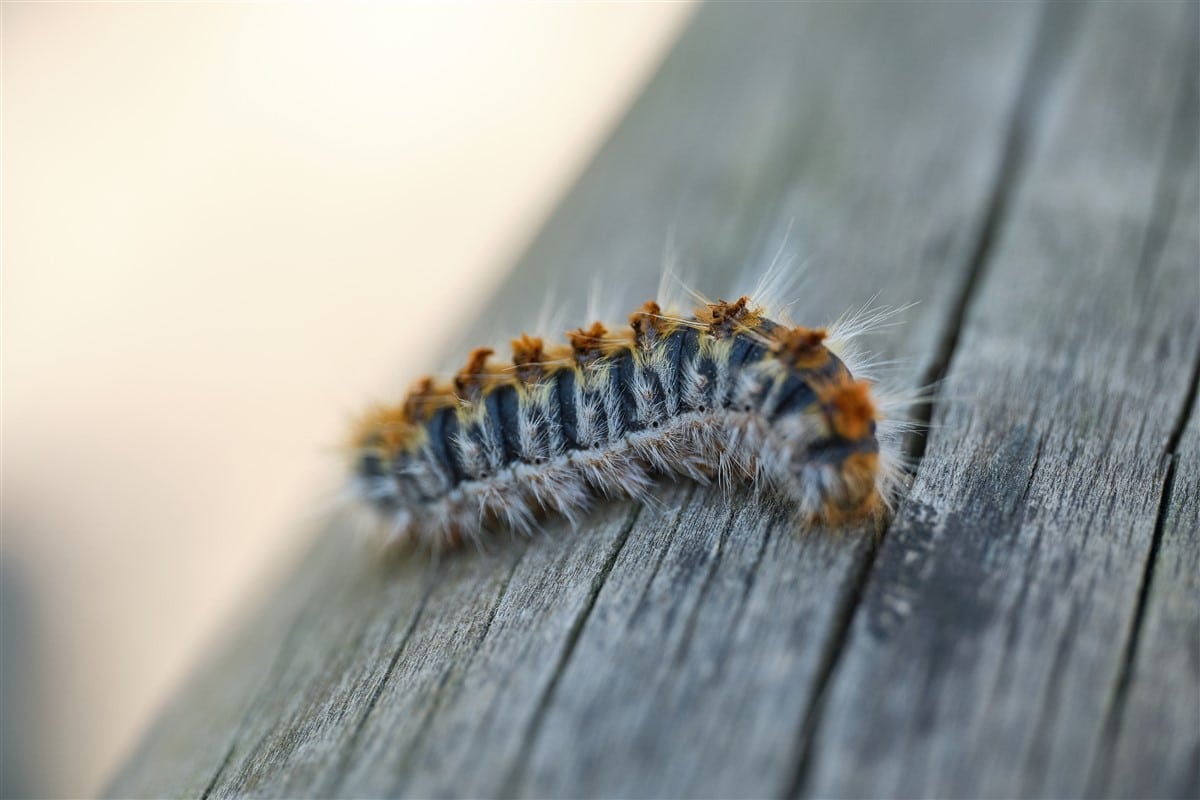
(987,651)
(1026,174)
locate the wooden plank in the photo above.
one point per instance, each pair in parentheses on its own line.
(986,655)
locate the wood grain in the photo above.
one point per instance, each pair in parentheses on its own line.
(989,645)
(1029,174)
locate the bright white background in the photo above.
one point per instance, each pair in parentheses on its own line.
(226,227)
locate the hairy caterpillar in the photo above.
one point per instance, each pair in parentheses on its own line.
(725,394)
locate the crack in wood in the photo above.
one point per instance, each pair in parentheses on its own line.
(1047,55)
(689,625)
(212,784)
(748,586)
(829,660)
(529,735)
(1116,705)
(352,744)
(439,692)
(658,562)
(286,648)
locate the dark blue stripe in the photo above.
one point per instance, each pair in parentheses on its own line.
(707,367)
(620,378)
(745,349)
(675,345)
(564,391)
(503,410)
(795,395)
(797,392)
(658,399)
(443,432)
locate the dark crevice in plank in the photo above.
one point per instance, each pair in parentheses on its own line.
(1184,131)
(1116,707)
(353,743)
(840,631)
(751,577)
(1033,468)
(212,784)
(418,738)
(658,562)
(286,648)
(1051,42)
(689,625)
(1049,50)
(529,734)
(1164,505)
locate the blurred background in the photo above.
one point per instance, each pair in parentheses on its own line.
(226,228)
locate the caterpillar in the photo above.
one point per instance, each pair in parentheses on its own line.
(724,394)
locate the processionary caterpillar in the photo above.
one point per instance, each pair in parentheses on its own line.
(723,394)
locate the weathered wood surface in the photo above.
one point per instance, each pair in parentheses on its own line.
(1030,622)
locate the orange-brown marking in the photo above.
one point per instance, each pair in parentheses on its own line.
(646,323)
(859,471)
(454,537)
(557,356)
(385,427)
(833,514)
(849,406)
(801,347)
(587,345)
(724,318)
(863,499)
(528,356)
(392,427)
(470,379)
(417,400)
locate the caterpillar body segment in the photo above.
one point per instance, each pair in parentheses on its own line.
(723,395)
